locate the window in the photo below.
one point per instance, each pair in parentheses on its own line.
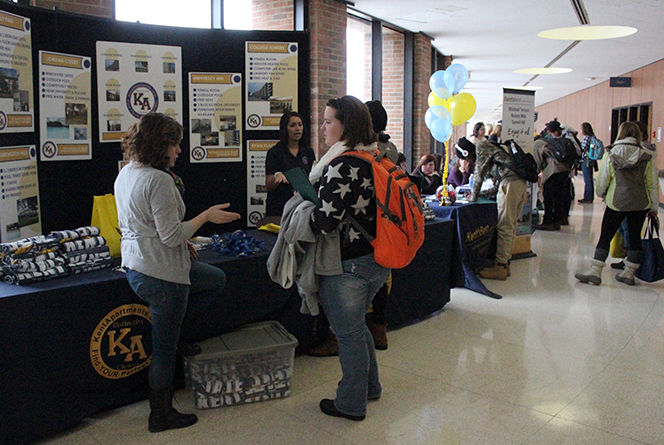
(191,14)
(259,14)
(358,58)
(393,83)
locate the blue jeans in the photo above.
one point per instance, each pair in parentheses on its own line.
(171,304)
(168,304)
(589,188)
(345,299)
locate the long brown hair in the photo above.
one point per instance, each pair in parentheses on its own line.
(587,129)
(355,117)
(147,141)
(629,129)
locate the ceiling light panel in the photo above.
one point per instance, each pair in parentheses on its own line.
(543,70)
(587,32)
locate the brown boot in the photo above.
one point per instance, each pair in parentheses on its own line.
(328,348)
(496,272)
(379,334)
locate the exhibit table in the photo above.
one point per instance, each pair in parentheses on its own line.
(476,232)
(79,345)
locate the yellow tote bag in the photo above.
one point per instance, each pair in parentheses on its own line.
(105,216)
(617,246)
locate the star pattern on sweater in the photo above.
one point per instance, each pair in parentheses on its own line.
(327,208)
(353,235)
(333,172)
(343,189)
(366,183)
(360,205)
(353,173)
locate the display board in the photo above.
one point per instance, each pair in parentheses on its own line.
(215,117)
(134,79)
(67,187)
(16,83)
(65,98)
(256,189)
(19,197)
(272,78)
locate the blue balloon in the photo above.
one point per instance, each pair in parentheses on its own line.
(436,112)
(441,130)
(455,77)
(438,85)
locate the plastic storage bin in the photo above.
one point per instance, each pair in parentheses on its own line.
(251,364)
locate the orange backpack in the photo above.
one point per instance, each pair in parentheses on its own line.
(399,208)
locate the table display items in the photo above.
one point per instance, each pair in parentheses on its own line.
(55,255)
(237,243)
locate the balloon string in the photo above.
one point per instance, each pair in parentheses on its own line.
(446,162)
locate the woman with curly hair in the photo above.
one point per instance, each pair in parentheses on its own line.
(156,253)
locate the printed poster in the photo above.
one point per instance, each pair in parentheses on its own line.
(519,117)
(272,82)
(19,200)
(65,99)
(135,79)
(16,92)
(256,189)
(215,111)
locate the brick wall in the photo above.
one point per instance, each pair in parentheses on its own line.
(100,8)
(421,74)
(328,60)
(393,84)
(276,15)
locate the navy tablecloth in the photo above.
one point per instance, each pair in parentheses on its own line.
(476,231)
(48,368)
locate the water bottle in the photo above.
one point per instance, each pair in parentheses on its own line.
(470,180)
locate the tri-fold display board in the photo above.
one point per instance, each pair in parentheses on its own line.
(71,85)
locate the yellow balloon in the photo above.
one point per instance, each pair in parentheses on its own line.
(435,100)
(462,107)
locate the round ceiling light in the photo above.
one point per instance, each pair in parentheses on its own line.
(543,70)
(587,32)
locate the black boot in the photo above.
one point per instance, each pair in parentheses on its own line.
(162,414)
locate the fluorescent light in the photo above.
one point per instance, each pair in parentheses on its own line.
(587,32)
(543,70)
(529,87)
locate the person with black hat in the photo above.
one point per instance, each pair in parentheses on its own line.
(464,166)
(492,161)
(379,121)
(555,178)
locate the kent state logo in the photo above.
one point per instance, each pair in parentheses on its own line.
(142,98)
(49,149)
(3,120)
(121,344)
(198,153)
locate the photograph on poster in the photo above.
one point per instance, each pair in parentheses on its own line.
(259,91)
(8,82)
(169,67)
(113,95)
(260,188)
(231,138)
(113,125)
(141,66)
(21,98)
(227,123)
(57,128)
(27,211)
(211,138)
(81,133)
(76,113)
(169,96)
(112,65)
(202,126)
(279,105)
(13,231)
(256,200)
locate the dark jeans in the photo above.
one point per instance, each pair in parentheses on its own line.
(587,166)
(610,224)
(169,303)
(556,191)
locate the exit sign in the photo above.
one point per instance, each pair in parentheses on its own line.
(620,82)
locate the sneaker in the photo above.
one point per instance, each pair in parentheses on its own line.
(564,222)
(495,272)
(584,201)
(327,406)
(620,265)
(328,348)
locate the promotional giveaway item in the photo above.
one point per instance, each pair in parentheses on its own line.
(105,216)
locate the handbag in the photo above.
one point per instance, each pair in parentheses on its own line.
(617,246)
(652,263)
(105,216)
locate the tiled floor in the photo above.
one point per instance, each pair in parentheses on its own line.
(553,362)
